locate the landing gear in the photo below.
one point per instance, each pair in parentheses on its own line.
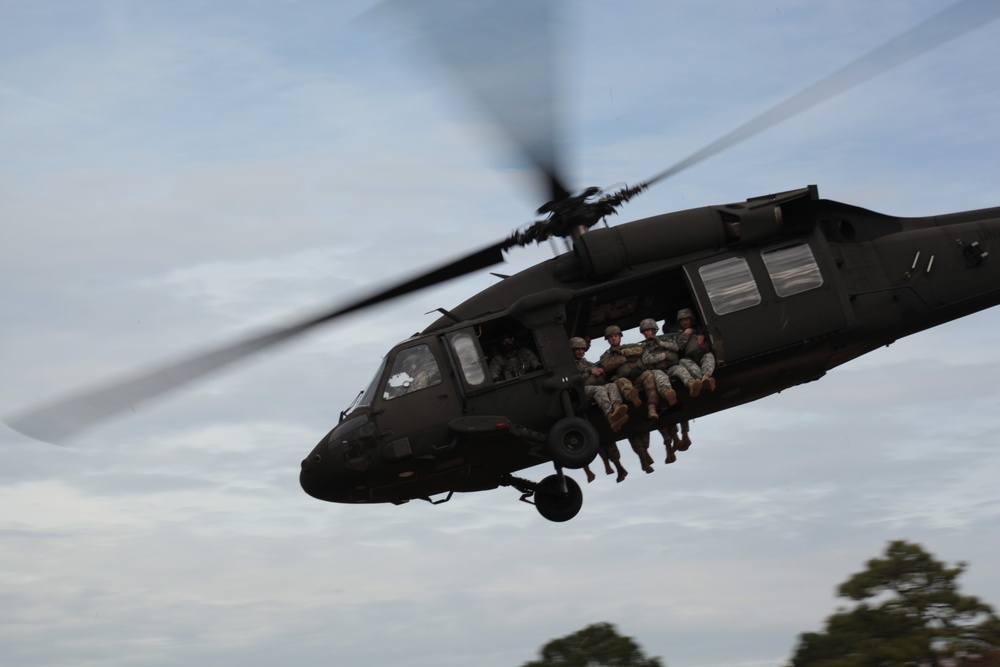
(572,443)
(557,497)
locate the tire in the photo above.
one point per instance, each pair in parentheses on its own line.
(553,504)
(572,442)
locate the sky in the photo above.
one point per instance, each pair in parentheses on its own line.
(173,174)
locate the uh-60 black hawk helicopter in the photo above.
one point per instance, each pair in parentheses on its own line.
(787,286)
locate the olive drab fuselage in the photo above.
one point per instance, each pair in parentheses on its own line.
(786,287)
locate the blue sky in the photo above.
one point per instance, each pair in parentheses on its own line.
(172,174)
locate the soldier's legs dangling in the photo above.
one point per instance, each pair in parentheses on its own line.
(615,456)
(664,388)
(652,396)
(628,391)
(684,375)
(640,445)
(618,416)
(590,474)
(670,441)
(685,438)
(707,368)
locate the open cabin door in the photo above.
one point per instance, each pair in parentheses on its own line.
(762,299)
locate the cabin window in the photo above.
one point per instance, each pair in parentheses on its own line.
(730,285)
(792,268)
(414,369)
(468,355)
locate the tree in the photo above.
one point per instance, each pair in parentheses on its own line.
(597,645)
(909,613)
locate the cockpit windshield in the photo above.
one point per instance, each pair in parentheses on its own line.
(369,395)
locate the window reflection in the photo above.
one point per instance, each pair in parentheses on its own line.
(467,352)
(792,268)
(730,285)
(414,369)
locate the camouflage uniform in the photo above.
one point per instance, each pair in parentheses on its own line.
(640,445)
(606,395)
(608,398)
(513,363)
(659,356)
(696,356)
(622,364)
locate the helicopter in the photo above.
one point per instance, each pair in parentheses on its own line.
(788,286)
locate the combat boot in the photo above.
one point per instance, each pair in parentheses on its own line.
(678,442)
(671,455)
(686,440)
(590,474)
(622,473)
(618,417)
(694,387)
(651,412)
(708,382)
(629,391)
(646,460)
(669,395)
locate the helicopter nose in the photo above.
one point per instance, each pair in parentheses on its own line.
(338,465)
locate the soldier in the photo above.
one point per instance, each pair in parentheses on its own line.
(595,386)
(513,361)
(612,359)
(622,364)
(659,356)
(696,350)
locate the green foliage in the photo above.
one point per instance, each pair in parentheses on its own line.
(909,613)
(597,645)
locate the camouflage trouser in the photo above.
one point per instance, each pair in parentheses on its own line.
(648,383)
(605,395)
(706,368)
(682,373)
(662,381)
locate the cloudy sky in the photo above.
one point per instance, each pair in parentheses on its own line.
(173,174)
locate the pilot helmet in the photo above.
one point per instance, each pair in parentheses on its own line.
(684,312)
(648,324)
(611,330)
(577,343)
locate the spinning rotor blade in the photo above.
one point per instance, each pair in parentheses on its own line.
(935,31)
(58,420)
(502,54)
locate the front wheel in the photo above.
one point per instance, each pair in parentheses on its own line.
(556,503)
(573,442)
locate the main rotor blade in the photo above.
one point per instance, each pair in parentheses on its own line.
(61,419)
(501,52)
(931,33)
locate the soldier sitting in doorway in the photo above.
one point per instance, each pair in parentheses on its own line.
(694,347)
(596,386)
(623,365)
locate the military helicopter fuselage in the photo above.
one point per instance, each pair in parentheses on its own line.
(788,286)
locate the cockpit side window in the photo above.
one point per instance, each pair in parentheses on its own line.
(414,369)
(469,357)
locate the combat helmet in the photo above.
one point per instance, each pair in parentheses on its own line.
(611,330)
(577,343)
(648,324)
(684,312)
